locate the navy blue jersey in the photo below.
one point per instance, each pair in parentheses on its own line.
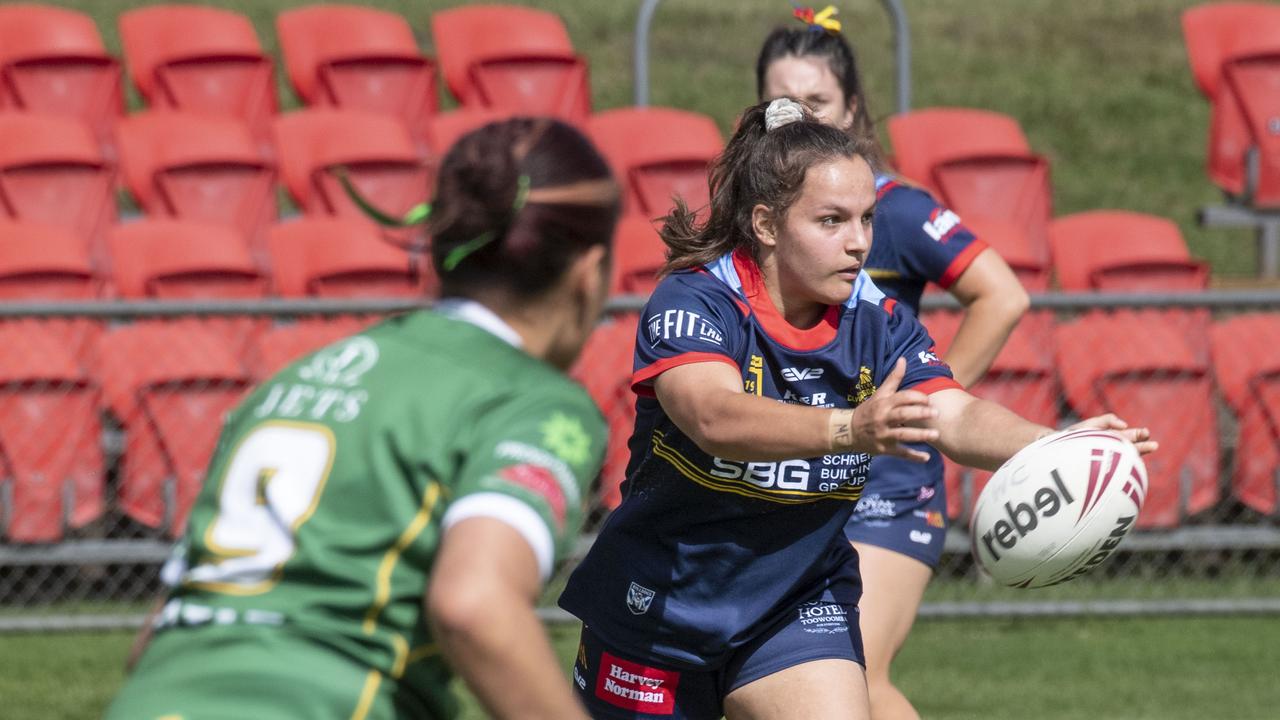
(704,552)
(914,241)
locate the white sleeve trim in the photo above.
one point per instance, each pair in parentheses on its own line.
(513,512)
(175,566)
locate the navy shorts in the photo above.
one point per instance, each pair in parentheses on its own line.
(910,519)
(617,685)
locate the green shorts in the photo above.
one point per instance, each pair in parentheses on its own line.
(237,672)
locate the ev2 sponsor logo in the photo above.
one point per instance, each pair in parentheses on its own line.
(799,374)
(677,324)
(940,224)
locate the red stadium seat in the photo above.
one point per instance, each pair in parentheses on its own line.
(280,346)
(200,168)
(44,262)
(638,255)
(604,369)
(511,58)
(174,260)
(1021,378)
(1015,247)
(1114,250)
(358,58)
(200,59)
(51,463)
(658,154)
(170,386)
(1248,371)
(330,257)
(168,259)
(1148,374)
(979,164)
(443,130)
(52,172)
(52,61)
(1118,251)
(1234,50)
(375,149)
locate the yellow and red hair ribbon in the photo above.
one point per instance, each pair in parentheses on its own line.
(824,19)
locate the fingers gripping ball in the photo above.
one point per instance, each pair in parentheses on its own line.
(1058,508)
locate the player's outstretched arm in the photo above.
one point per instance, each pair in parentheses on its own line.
(706,401)
(983,434)
(480,602)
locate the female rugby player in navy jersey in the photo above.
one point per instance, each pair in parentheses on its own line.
(769,369)
(899,526)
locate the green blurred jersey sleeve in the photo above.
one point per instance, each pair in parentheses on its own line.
(530,462)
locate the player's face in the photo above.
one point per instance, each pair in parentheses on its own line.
(824,237)
(809,79)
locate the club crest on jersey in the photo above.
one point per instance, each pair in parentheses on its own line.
(941,224)
(342,363)
(864,388)
(639,598)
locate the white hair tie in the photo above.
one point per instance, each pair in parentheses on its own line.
(782,111)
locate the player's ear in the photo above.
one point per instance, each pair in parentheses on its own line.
(589,279)
(763,223)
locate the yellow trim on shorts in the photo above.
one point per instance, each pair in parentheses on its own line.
(370,690)
(419,523)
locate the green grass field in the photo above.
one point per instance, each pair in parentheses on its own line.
(1166,669)
(1102,88)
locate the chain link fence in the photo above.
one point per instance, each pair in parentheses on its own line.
(109,412)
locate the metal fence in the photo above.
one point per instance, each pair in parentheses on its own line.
(109,411)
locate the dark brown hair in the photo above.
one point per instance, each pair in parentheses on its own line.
(757,167)
(805,42)
(516,201)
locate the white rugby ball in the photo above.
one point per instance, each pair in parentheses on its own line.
(1058,508)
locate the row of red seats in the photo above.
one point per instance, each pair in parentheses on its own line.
(1234,52)
(167,384)
(209,60)
(208,169)
(305,257)
(1141,365)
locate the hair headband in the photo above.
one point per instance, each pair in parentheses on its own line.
(782,111)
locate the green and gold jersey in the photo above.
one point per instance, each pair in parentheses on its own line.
(333,482)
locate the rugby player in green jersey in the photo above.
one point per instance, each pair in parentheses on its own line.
(388,508)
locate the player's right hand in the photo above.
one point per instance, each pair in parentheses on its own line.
(885,422)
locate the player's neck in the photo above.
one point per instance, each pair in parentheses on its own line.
(799,312)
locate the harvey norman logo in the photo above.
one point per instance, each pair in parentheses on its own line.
(636,687)
(678,324)
(940,224)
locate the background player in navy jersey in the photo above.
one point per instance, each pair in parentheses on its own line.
(900,524)
(770,369)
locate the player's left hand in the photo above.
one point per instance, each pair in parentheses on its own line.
(1140,436)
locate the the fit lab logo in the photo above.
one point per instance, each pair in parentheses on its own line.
(639,598)
(823,618)
(941,224)
(679,324)
(798,374)
(635,687)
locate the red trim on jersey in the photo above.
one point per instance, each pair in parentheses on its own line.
(640,379)
(889,305)
(933,385)
(884,189)
(781,331)
(961,263)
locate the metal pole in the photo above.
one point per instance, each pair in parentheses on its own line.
(640,63)
(901,51)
